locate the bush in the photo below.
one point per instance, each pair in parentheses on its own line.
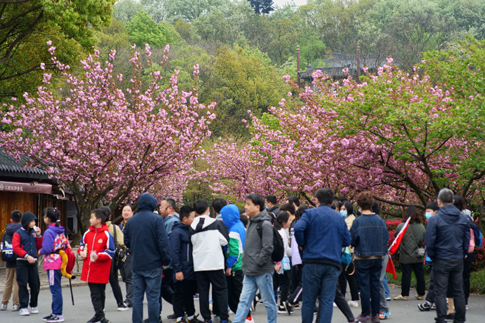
(477,282)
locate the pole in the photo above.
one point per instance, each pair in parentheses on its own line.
(358,61)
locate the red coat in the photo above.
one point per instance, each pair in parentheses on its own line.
(100,241)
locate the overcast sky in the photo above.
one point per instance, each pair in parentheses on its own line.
(280,3)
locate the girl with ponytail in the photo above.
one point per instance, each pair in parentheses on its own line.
(54,241)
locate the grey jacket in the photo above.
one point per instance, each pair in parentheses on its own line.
(256,258)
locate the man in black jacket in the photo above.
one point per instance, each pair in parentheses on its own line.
(447,240)
(145,236)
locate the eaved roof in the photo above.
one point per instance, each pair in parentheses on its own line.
(10,167)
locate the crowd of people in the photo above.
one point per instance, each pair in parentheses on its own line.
(280,255)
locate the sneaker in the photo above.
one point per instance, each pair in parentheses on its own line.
(376,319)
(353,304)
(384,315)
(425,306)
(450,316)
(217,318)
(192,320)
(388,299)
(24,312)
(433,307)
(3,307)
(127,304)
(56,318)
(172,316)
(196,296)
(34,310)
(334,305)
(249,319)
(123,308)
(48,317)
(419,297)
(288,308)
(15,308)
(281,309)
(104,320)
(401,298)
(296,306)
(363,319)
(93,320)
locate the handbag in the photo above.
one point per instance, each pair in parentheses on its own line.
(120,255)
(346,256)
(420,251)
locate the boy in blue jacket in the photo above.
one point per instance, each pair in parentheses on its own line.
(185,285)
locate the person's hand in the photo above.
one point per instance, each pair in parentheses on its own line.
(94,256)
(179,276)
(31,259)
(37,230)
(164,267)
(277,267)
(228,271)
(83,255)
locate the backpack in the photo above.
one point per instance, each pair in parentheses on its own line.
(476,237)
(278,247)
(7,248)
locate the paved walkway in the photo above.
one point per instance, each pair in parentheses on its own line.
(401,311)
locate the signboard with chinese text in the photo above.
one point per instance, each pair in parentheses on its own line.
(25,187)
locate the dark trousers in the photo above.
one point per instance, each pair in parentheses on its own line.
(115,284)
(234,289)
(449,273)
(127,276)
(166,288)
(98,298)
(368,277)
(28,274)
(183,297)
(430,295)
(282,281)
(219,286)
(466,279)
(342,304)
(352,279)
(296,273)
(406,278)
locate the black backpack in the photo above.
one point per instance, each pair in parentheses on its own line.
(7,248)
(278,247)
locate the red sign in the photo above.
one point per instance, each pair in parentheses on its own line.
(25,187)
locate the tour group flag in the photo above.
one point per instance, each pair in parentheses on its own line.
(394,247)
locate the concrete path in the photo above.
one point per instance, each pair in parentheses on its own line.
(401,311)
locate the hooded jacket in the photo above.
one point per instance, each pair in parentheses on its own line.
(54,240)
(146,237)
(257,259)
(208,236)
(100,241)
(447,234)
(10,230)
(170,221)
(25,241)
(237,235)
(181,251)
(323,232)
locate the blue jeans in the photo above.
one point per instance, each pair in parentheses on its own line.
(386,287)
(368,276)
(54,277)
(250,285)
(148,281)
(319,279)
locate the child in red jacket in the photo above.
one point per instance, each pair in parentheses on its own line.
(97,250)
(25,243)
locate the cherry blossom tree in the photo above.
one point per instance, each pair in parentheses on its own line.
(103,143)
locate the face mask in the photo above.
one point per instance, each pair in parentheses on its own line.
(267,207)
(428,215)
(343,213)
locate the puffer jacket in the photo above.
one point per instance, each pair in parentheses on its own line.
(54,240)
(25,241)
(413,239)
(181,251)
(257,259)
(100,241)
(237,234)
(9,232)
(447,234)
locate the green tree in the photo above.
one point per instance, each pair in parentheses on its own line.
(112,37)
(242,81)
(142,29)
(125,10)
(26,27)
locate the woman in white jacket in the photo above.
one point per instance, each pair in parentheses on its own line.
(281,277)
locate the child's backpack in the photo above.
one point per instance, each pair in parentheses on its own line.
(278,247)
(7,248)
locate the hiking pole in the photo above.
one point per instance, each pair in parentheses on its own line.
(72,296)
